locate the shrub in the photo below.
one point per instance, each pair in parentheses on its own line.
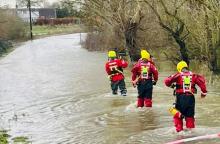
(4,45)
(56,21)
(11,28)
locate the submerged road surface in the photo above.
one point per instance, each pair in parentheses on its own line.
(54,92)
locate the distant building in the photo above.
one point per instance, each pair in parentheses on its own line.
(36,13)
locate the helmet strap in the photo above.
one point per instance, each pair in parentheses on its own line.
(185,69)
(144,59)
(112,58)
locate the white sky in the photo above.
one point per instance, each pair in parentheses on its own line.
(11,3)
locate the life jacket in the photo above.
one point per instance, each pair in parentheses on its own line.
(185,84)
(114,68)
(145,70)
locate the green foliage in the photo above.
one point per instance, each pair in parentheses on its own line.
(21,140)
(4,45)
(57,29)
(4,137)
(62,12)
(67,8)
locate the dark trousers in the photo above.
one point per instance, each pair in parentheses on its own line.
(120,84)
(185,104)
(145,89)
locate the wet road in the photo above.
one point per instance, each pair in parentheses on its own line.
(52,91)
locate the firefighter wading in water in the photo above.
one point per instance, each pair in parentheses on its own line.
(144,75)
(114,68)
(185,82)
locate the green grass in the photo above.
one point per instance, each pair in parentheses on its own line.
(4,138)
(21,140)
(46,30)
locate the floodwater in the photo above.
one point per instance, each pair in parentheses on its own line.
(52,91)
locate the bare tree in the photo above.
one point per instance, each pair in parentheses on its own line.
(169,20)
(192,26)
(120,15)
(24,3)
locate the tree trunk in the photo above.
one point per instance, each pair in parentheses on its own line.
(183,49)
(213,60)
(130,37)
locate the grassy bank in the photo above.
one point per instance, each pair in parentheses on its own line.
(47,30)
(6,46)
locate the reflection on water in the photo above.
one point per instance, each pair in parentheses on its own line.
(53,91)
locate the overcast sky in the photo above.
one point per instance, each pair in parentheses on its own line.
(11,3)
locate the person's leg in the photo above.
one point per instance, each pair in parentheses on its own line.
(148,97)
(140,102)
(122,87)
(190,120)
(178,121)
(140,99)
(114,86)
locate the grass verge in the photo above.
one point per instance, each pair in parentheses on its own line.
(47,30)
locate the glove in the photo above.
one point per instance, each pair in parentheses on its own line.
(173,86)
(154,82)
(110,77)
(203,95)
(134,83)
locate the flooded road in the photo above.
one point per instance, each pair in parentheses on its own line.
(54,92)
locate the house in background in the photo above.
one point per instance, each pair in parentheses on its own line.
(36,13)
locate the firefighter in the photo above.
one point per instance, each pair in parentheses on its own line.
(144,75)
(185,81)
(114,68)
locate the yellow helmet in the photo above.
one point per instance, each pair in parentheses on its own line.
(111,54)
(145,54)
(181,65)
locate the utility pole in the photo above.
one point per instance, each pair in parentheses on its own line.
(16,8)
(30,19)
(80,23)
(80,31)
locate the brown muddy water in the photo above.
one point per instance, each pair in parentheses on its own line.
(54,92)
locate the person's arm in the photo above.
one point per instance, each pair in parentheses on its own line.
(135,75)
(107,69)
(155,73)
(200,81)
(123,63)
(134,72)
(170,80)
